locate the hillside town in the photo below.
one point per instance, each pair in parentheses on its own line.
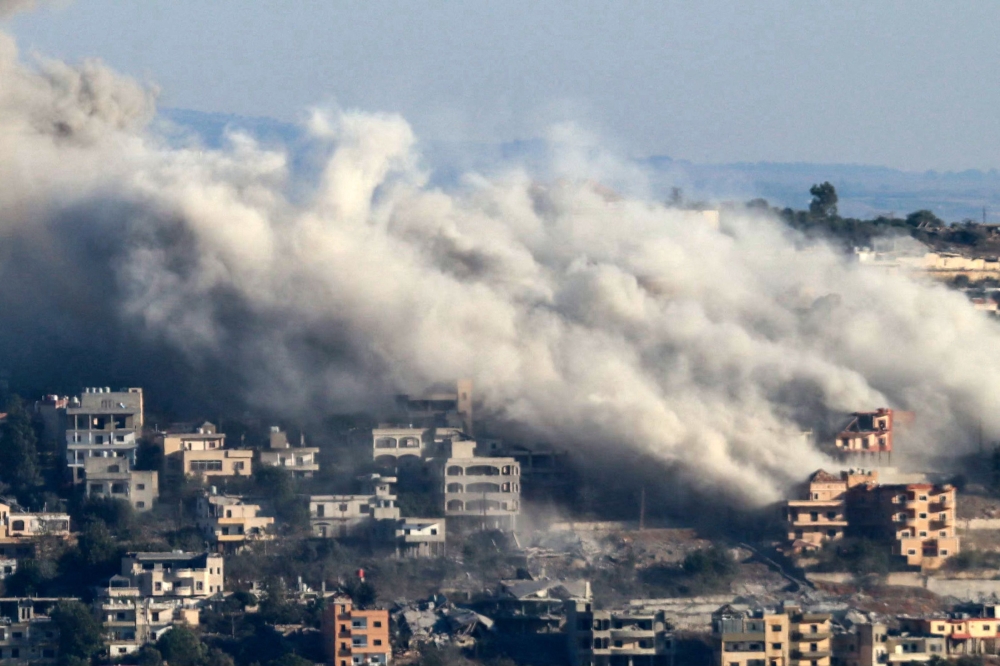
(416,541)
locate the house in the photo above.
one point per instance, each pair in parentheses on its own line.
(339,516)
(132,620)
(27,633)
(484,491)
(601,637)
(301,461)
(401,446)
(821,516)
(102,423)
(353,636)
(743,636)
(420,537)
(439,408)
(229,523)
(867,433)
(176,574)
(217,462)
(115,478)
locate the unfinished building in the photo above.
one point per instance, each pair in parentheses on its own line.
(102,423)
(617,637)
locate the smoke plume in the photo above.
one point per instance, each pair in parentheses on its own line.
(603,321)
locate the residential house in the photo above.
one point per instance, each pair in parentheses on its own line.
(373,513)
(867,433)
(420,537)
(132,620)
(352,636)
(115,478)
(27,633)
(301,461)
(176,574)
(228,522)
(787,636)
(102,423)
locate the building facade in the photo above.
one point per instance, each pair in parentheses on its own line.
(131,620)
(484,491)
(115,478)
(867,433)
(353,637)
(217,462)
(759,637)
(372,514)
(27,633)
(228,522)
(402,446)
(606,637)
(420,537)
(188,575)
(301,461)
(102,423)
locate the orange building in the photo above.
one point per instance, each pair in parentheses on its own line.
(354,636)
(822,515)
(868,432)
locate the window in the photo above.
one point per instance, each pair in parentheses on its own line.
(922,498)
(377,624)
(200,586)
(377,641)
(923,534)
(359,641)
(140,505)
(96,488)
(944,552)
(343,508)
(159,587)
(911,552)
(775,646)
(17,525)
(238,465)
(775,627)
(140,486)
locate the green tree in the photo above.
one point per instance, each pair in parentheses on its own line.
(80,635)
(289,659)
(150,656)
(923,218)
(824,200)
(18,448)
(181,647)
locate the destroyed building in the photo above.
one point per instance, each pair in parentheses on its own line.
(612,637)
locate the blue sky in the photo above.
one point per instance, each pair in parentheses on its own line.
(911,84)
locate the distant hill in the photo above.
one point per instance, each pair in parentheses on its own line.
(865,191)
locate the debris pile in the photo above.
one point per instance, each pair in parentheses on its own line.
(439,622)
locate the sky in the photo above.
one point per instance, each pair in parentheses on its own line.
(907,84)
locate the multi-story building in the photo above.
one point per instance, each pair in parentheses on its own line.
(115,478)
(229,523)
(867,433)
(102,423)
(374,513)
(628,637)
(22,531)
(440,408)
(204,438)
(132,620)
(522,607)
(27,633)
(864,645)
(420,537)
(960,633)
(479,490)
(401,446)
(822,515)
(217,462)
(353,636)
(301,461)
(784,637)
(191,575)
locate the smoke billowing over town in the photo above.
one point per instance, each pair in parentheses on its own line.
(610,322)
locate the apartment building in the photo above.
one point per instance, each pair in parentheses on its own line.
(176,574)
(115,478)
(787,636)
(301,461)
(627,637)
(353,636)
(960,634)
(27,633)
(228,522)
(373,513)
(22,531)
(217,463)
(131,620)
(864,645)
(484,491)
(439,408)
(420,537)
(102,423)
(821,515)
(401,446)
(867,433)
(204,438)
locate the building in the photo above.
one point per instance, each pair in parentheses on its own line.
(484,491)
(787,636)
(546,473)
(217,462)
(301,461)
(440,408)
(132,620)
(917,519)
(51,411)
(21,532)
(27,633)
(612,637)
(863,645)
(177,574)
(402,446)
(420,537)
(8,567)
(353,636)
(867,433)
(228,523)
(521,607)
(115,478)
(373,513)
(204,438)
(102,423)
(960,633)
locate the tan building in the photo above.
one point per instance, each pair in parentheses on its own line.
(420,537)
(301,461)
(217,462)
(27,633)
(604,637)
(228,523)
(102,423)
(373,513)
(401,446)
(784,637)
(114,478)
(821,516)
(867,433)
(353,636)
(864,645)
(190,575)
(481,490)
(205,438)
(131,620)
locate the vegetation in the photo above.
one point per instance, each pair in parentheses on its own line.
(703,571)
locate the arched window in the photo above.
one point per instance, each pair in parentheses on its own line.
(454,488)
(409,443)
(385,443)
(17,526)
(483,470)
(482,488)
(454,505)
(455,470)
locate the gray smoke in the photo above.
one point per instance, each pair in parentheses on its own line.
(610,324)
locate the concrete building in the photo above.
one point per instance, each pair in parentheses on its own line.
(546,473)
(228,523)
(867,433)
(21,531)
(131,620)
(420,537)
(484,491)
(821,516)
(863,645)
(102,423)
(440,408)
(613,637)
(301,461)
(115,478)
(204,438)
(353,636)
(784,637)
(27,633)
(960,634)
(520,607)
(217,462)
(401,446)
(177,574)
(373,513)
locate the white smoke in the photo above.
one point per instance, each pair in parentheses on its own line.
(611,324)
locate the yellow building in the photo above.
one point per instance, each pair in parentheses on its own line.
(783,637)
(219,462)
(228,522)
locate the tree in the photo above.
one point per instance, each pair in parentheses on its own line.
(824,200)
(150,656)
(181,647)
(922,219)
(18,448)
(80,635)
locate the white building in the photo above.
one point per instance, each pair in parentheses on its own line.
(334,516)
(102,423)
(301,461)
(420,537)
(481,490)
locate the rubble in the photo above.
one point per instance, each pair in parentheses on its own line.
(439,622)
